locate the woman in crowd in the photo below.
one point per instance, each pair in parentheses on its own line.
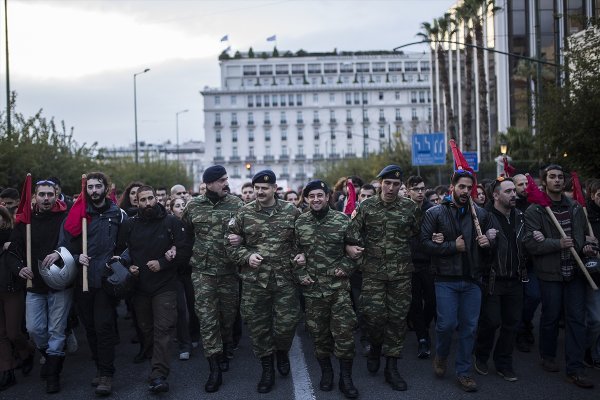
(128,201)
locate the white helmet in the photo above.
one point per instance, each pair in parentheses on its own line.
(61,274)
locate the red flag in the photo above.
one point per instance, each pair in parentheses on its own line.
(77,212)
(509,170)
(23,215)
(351,203)
(535,195)
(113,194)
(460,163)
(577,192)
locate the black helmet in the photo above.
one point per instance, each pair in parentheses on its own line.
(117,280)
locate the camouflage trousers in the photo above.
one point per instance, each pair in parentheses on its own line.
(384,305)
(271,314)
(217,299)
(331,321)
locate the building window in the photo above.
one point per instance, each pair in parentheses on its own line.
(395,66)
(251,136)
(331,98)
(349,149)
(274,100)
(413,113)
(250,101)
(332,115)
(413,97)
(285,169)
(234,136)
(397,95)
(356,98)
(381,115)
(267,135)
(234,120)
(284,150)
(317,149)
(282,100)
(218,137)
(316,98)
(251,151)
(282,119)
(381,132)
(299,118)
(316,134)
(290,100)
(250,118)
(365,98)
(217,100)
(284,135)
(236,170)
(421,97)
(398,115)
(234,151)
(266,98)
(265,70)
(267,118)
(267,150)
(362,67)
(217,118)
(346,68)
(314,68)
(380,96)
(348,98)
(300,134)
(349,115)
(258,100)
(233,100)
(219,152)
(299,100)
(282,69)
(365,114)
(349,133)
(378,67)
(331,68)
(249,70)
(424,66)
(300,149)
(297,69)
(411,66)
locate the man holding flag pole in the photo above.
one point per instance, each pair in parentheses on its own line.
(90,233)
(561,273)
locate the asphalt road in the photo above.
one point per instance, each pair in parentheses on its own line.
(188,377)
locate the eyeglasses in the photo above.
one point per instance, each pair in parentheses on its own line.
(417,189)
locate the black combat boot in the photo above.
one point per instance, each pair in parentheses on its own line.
(7,379)
(53,373)
(267,378)
(346,384)
(214,378)
(326,383)
(228,350)
(223,362)
(283,363)
(374,359)
(392,376)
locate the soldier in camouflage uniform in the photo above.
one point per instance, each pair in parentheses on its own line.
(267,255)
(214,275)
(324,278)
(382,230)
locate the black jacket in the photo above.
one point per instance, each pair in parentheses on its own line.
(446,261)
(9,282)
(420,257)
(149,238)
(45,232)
(594,217)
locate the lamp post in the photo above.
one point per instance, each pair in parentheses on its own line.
(135,111)
(177,129)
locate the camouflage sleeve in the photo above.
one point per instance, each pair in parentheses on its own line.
(239,254)
(355,228)
(300,272)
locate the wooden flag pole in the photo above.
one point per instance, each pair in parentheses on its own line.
(474,215)
(588,222)
(28,252)
(84,244)
(573,251)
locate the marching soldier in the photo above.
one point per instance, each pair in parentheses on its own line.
(329,315)
(382,230)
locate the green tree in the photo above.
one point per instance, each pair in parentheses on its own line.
(250,53)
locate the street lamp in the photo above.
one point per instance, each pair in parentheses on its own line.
(177,129)
(135,111)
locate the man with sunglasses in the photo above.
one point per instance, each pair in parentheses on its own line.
(458,260)
(422,306)
(562,286)
(503,294)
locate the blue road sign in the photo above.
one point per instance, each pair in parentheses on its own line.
(471,157)
(428,149)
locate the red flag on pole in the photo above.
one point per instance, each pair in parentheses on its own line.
(113,194)
(509,170)
(77,212)
(577,191)
(351,203)
(23,215)
(535,195)
(461,164)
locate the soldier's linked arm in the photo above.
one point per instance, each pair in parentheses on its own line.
(428,228)
(239,254)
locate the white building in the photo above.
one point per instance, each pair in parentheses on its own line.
(289,112)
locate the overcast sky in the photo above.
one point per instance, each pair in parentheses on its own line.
(75,59)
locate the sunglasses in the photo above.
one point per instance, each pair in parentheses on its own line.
(498,181)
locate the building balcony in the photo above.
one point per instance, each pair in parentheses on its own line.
(300,157)
(267,122)
(332,121)
(349,121)
(218,159)
(236,176)
(283,122)
(217,123)
(284,175)
(234,123)
(350,155)
(318,157)
(382,120)
(300,176)
(250,158)
(250,123)
(299,122)
(234,158)
(268,158)
(334,156)
(284,157)
(316,122)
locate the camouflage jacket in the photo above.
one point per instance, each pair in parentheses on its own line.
(322,242)
(385,231)
(209,223)
(271,236)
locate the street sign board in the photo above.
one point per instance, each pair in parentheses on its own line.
(428,149)
(471,157)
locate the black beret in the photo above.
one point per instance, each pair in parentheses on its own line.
(213,173)
(391,172)
(313,185)
(264,176)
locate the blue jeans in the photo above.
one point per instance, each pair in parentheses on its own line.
(46,318)
(458,305)
(571,297)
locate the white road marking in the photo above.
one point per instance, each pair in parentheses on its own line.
(303,389)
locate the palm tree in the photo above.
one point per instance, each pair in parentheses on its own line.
(464,15)
(430,32)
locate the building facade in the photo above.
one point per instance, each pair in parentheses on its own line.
(291,112)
